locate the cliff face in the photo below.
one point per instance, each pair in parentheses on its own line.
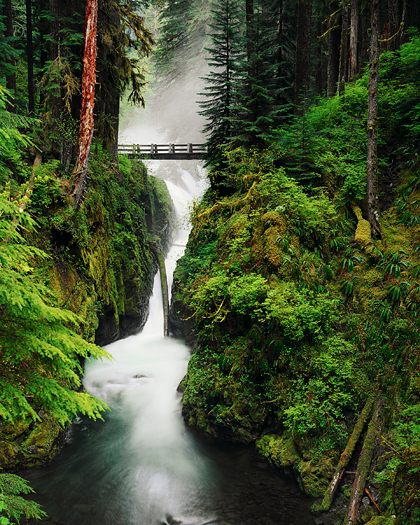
(101,268)
(297,319)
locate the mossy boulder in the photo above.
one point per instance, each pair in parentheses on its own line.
(42,442)
(30,445)
(363,235)
(280,450)
(315,475)
(8,452)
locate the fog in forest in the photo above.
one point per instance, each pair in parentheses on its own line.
(171,115)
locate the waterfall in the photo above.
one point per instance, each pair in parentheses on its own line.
(141,466)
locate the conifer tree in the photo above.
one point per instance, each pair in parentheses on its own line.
(258,110)
(39,353)
(222,81)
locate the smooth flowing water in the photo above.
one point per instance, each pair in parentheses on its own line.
(141,466)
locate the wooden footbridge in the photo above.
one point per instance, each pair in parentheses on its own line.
(163,151)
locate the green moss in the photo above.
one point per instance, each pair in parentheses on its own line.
(381,520)
(363,231)
(315,475)
(280,450)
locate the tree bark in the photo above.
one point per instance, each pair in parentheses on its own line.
(404,21)
(393,13)
(342,74)
(54,29)
(346,456)
(164,286)
(30,58)
(365,25)
(354,36)
(363,467)
(372,124)
(249,13)
(303,55)
(79,175)
(11,77)
(320,80)
(114,105)
(332,66)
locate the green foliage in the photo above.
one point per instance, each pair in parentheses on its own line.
(298,314)
(40,364)
(318,403)
(12,505)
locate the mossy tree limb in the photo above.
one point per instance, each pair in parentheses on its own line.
(346,456)
(363,467)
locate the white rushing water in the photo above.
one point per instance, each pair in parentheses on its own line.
(162,469)
(140,466)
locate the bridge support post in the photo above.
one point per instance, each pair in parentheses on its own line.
(189,148)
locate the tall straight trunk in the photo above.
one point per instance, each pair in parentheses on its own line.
(320,69)
(405,23)
(303,55)
(30,57)
(114,104)
(11,77)
(249,13)
(354,36)
(342,74)
(54,29)
(393,12)
(79,175)
(332,66)
(372,124)
(365,25)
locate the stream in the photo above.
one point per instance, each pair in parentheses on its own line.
(141,465)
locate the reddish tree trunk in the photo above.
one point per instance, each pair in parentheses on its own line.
(372,125)
(88,102)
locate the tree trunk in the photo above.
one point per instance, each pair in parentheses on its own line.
(164,285)
(365,25)
(303,55)
(332,67)
(320,69)
(79,175)
(114,105)
(363,467)
(372,124)
(354,36)
(393,13)
(404,22)
(11,77)
(30,57)
(346,456)
(54,29)
(342,74)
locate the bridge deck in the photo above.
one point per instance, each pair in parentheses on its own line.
(163,151)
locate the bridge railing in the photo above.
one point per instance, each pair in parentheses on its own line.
(157,149)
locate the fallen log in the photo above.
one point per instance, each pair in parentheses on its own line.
(30,188)
(345,457)
(363,467)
